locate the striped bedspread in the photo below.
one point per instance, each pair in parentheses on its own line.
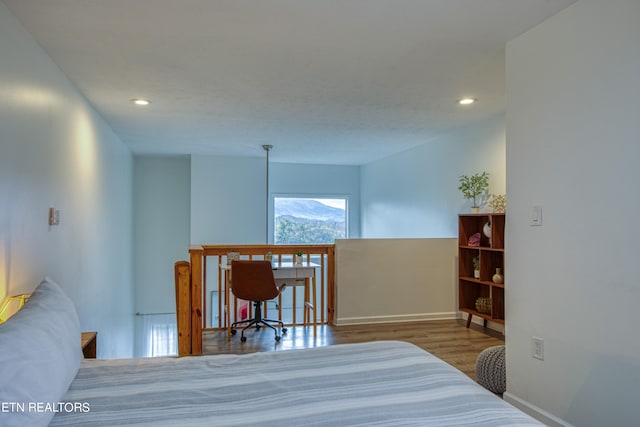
(385,383)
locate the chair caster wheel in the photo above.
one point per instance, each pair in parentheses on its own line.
(243,339)
(257,327)
(278,338)
(284,330)
(233,332)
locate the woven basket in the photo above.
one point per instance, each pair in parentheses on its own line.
(483,305)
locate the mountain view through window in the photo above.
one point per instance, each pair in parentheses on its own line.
(309,220)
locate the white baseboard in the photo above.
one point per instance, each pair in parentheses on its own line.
(395,318)
(536,412)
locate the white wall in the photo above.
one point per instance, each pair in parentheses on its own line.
(57,152)
(395,280)
(415,193)
(161,221)
(573,122)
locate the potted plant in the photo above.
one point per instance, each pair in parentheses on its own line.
(298,257)
(476,267)
(473,186)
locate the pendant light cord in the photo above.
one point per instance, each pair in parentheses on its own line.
(267,148)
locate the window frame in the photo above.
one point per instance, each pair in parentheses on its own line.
(272,203)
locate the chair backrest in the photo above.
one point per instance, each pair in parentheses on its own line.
(253,280)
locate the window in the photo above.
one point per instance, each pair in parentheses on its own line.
(309,220)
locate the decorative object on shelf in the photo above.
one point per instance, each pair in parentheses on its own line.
(498,202)
(498,277)
(268,257)
(476,267)
(474,240)
(474,186)
(231,256)
(486,229)
(483,305)
(298,258)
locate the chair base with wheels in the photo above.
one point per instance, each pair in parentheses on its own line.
(258,321)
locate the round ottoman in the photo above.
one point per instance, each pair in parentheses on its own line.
(490,369)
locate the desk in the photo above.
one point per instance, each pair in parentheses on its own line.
(286,273)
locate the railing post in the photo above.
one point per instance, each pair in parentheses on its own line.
(331,284)
(183,306)
(196,253)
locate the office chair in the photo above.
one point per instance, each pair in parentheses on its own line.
(253,281)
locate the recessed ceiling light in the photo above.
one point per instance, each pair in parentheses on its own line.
(140,101)
(467,101)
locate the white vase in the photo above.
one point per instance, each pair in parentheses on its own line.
(476,274)
(487,231)
(298,259)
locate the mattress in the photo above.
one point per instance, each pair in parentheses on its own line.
(384,383)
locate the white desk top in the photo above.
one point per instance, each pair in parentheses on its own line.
(282,266)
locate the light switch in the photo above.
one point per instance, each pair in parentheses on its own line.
(536,215)
(54,217)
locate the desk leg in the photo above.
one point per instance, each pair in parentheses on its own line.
(315,315)
(294,304)
(307,317)
(235,308)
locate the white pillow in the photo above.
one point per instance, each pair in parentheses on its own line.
(39,356)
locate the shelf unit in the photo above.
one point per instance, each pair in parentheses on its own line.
(490,252)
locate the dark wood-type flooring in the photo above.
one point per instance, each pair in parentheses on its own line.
(450,340)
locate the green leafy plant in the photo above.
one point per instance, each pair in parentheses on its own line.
(299,253)
(476,263)
(473,186)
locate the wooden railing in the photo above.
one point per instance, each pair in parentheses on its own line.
(191,285)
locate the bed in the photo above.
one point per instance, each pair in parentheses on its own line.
(386,383)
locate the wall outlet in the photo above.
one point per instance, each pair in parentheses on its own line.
(537,348)
(536,216)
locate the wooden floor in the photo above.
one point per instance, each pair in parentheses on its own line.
(450,340)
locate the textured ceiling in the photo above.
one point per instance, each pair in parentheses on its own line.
(324,81)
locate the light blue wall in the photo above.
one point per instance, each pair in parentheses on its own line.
(227,200)
(228,203)
(415,193)
(318,180)
(162,193)
(56,151)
